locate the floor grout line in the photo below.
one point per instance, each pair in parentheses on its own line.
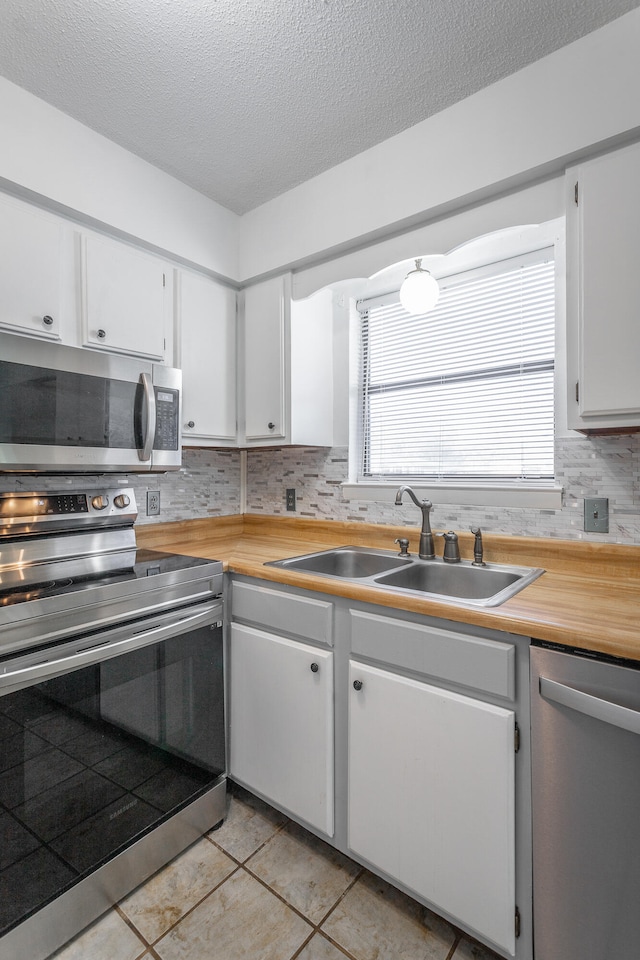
(456,943)
(118,909)
(315,928)
(194,906)
(359,874)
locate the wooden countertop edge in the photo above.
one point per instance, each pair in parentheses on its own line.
(589,596)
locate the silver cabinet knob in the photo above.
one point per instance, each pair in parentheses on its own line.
(357,684)
(102,334)
(314,668)
(100,502)
(190,423)
(121,500)
(47,320)
(271,425)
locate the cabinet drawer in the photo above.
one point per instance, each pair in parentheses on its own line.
(474,662)
(285,612)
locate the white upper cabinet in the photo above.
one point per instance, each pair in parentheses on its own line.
(603,292)
(288,366)
(207,356)
(126,300)
(35,263)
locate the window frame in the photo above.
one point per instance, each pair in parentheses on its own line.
(538,494)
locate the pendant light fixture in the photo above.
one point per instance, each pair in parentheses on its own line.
(419,291)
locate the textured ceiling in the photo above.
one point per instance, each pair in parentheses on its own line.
(244,99)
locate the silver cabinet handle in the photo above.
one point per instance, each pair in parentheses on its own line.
(102,334)
(47,320)
(599,709)
(150,431)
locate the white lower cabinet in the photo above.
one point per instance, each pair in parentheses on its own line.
(281,722)
(424,780)
(431,789)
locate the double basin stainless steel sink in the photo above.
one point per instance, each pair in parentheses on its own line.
(462,583)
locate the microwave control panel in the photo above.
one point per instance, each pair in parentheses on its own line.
(167,423)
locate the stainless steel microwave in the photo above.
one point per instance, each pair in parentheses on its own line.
(70,410)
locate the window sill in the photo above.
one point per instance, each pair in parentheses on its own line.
(490,495)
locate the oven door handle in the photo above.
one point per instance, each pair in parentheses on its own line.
(101,649)
(149,407)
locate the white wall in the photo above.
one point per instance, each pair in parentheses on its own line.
(524,127)
(45,153)
(531,205)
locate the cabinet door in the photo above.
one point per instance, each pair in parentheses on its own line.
(432,796)
(281,723)
(124,298)
(32,246)
(265,317)
(604,289)
(207,359)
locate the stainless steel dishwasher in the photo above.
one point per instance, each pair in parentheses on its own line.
(585,716)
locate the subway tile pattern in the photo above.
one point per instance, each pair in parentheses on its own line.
(262,887)
(208,485)
(585,467)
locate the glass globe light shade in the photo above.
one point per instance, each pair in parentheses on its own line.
(419,291)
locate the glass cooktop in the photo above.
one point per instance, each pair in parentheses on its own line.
(137,565)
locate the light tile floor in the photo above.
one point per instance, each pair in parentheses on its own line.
(262,888)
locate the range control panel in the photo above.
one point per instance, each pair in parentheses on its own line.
(31,513)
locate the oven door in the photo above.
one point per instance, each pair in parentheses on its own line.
(102,739)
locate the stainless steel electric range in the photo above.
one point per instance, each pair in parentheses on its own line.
(112,746)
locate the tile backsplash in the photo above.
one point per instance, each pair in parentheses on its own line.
(209,484)
(585,467)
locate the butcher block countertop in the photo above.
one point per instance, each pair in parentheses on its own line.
(589,596)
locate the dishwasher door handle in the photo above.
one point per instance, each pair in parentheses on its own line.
(605,710)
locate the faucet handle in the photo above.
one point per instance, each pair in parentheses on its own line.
(403,543)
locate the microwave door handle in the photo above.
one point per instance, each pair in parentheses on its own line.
(150,408)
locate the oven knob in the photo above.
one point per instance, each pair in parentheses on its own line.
(122,500)
(100,502)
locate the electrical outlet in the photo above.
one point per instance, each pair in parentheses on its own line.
(291,498)
(153,503)
(596,515)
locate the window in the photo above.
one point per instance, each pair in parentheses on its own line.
(464,392)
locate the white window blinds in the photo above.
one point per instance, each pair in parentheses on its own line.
(464,392)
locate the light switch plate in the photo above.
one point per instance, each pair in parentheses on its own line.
(596,515)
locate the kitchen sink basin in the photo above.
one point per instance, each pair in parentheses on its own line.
(459,580)
(460,583)
(346,563)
